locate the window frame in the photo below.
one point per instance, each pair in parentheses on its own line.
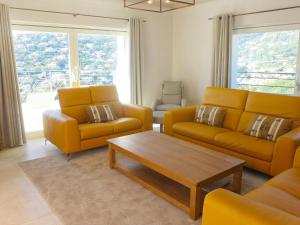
(73,43)
(262,29)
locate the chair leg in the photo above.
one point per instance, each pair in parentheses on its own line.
(46,141)
(68,156)
(161,128)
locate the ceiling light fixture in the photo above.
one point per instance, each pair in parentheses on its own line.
(158,5)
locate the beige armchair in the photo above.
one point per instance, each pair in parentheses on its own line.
(172,98)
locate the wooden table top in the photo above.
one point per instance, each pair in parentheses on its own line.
(191,163)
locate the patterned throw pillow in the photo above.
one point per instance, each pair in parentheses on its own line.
(100,113)
(210,115)
(268,127)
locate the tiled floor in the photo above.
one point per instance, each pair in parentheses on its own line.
(20,202)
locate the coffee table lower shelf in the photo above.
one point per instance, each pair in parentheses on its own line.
(172,191)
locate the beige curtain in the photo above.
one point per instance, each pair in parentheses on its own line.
(136,65)
(11,120)
(222,50)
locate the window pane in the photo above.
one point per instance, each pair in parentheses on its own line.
(42,60)
(265,62)
(102,62)
(97,58)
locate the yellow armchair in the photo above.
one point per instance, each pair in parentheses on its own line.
(223,207)
(275,203)
(284,151)
(69,129)
(297,159)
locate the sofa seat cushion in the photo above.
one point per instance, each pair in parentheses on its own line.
(288,181)
(94,130)
(126,124)
(247,145)
(167,107)
(198,131)
(276,198)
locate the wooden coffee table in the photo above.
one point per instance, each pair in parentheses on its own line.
(174,169)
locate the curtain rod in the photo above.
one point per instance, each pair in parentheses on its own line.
(275,25)
(263,11)
(73,14)
(68,27)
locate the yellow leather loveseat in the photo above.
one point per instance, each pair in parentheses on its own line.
(260,154)
(69,129)
(275,203)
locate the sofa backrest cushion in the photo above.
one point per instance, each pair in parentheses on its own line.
(232,100)
(172,92)
(74,100)
(107,95)
(100,94)
(74,96)
(283,106)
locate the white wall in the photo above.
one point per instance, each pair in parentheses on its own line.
(158,31)
(192,36)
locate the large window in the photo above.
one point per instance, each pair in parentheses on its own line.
(265,61)
(51,59)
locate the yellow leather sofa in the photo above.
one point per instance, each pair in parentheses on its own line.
(69,130)
(275,203)
(265,156)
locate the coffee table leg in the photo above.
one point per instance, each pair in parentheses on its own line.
(196,202)
(112,156)
(237,181)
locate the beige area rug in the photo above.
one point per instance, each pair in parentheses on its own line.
(85,191)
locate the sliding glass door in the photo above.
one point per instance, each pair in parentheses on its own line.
(48,59)
(42,60)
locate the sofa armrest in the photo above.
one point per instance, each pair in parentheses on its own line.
(61,130)
(284,151)
(142,113)
(183,102)
(297,158)
(155,103)
(178,115)
(227,208)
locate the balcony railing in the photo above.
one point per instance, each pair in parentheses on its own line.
(267,82)
(49,80)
